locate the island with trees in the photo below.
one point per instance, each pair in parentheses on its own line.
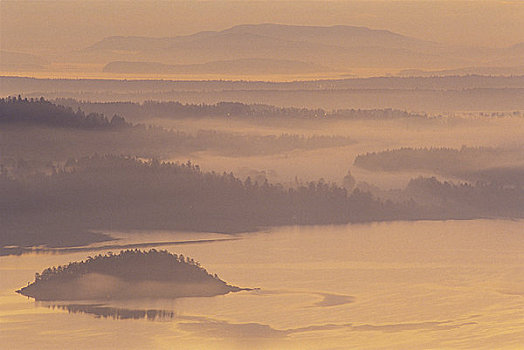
(127,275)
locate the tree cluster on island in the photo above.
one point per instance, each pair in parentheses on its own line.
(132,265)
(159,268)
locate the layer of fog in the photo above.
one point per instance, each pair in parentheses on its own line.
(246,145)
(369,136)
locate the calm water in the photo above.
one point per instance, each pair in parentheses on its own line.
(401,285)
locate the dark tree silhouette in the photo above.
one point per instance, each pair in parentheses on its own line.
(129,266)
(42,112)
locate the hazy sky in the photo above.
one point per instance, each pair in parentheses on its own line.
(35,25)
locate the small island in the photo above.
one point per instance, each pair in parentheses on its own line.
(127,275)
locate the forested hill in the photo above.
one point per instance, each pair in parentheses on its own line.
(133,265)
(130,274)
(485,164)
(44,113)
(434,159)
(99,193)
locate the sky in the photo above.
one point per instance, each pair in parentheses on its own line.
(32,26)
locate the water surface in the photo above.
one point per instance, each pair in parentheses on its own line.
(400,285)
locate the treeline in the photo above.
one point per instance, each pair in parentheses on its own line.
(41,112)
(437,159)
(115,192)
(110,192)
(475,164)
(177,110)
(129,191)
(467,200)
(499,175)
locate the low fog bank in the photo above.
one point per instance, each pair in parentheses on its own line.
(39,130)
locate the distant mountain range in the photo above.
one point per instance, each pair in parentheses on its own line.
(340,48)
(256,36)
(268,49)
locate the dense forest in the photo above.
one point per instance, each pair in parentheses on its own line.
(470,200)
(41,112)
(103,192)
(110,192)
(130,266)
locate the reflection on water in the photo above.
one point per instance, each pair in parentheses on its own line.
(100,310)
(400,285)
(210,327)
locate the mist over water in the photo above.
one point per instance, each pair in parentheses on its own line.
(320,287)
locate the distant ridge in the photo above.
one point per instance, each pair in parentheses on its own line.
(339,35)
(340,47)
